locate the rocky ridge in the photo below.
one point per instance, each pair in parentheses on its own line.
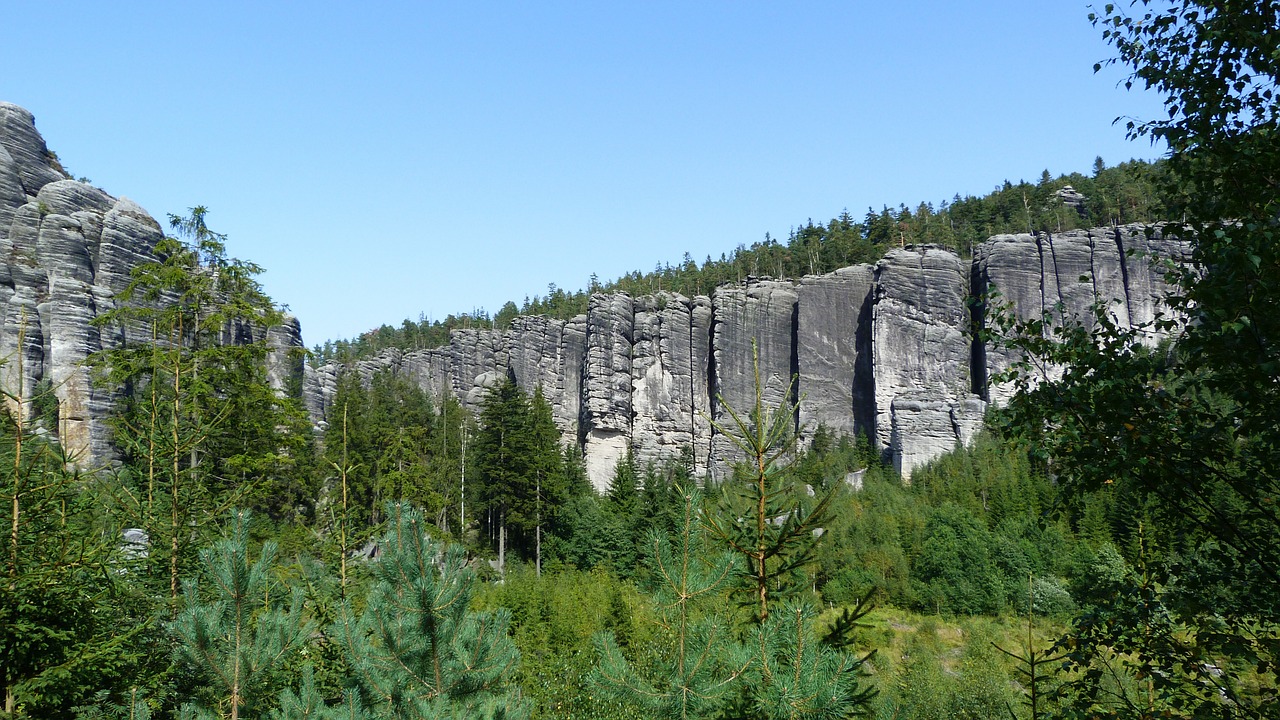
(884,350)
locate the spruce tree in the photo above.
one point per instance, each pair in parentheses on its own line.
(416,651)
(503,453)
(199,426)
(62,635)
(547,466)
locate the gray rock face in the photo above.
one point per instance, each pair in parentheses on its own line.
(1153,255)
(885,351)
(286,355)
(432,370)
(1061,276)
(606,385)
(759,313)
(66,250)
(833,339)
(479,362)
(669,399)
(540,355)
(51,289)
(925,426)
(921,350)
(28,156)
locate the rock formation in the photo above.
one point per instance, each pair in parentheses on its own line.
(66,250)
(921,349)
(833,351)
(1060,276)
(886,351)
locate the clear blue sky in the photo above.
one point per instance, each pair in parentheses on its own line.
(383,160)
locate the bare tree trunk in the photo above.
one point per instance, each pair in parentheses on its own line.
(17,475)
(151,433)
(342,525)
(462,504)
(538,529)
(177,473)
(502,545)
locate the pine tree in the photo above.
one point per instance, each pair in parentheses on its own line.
(704,666)
(416,650)
(796,675)
(240,633)
(765,520)
(762,516)
(308,703)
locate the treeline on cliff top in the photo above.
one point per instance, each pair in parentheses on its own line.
(1132,191)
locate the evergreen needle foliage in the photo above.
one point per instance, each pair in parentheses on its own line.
(58,592)
(308,704)
(782,670)
(762,517)
(799,677)
(705,662)
(240,636)
(416,650)
(103,708)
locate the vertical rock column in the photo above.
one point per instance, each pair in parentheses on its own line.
(921,355)
(537,357)
(605,422)
(69,236)
(1145,284)
(1013,266)
(1061,276)
(318,387)
(763,311)
(669,398)
(479,360)
(833,341)
(285,355)
(431,370)
(573,353)
(22,347)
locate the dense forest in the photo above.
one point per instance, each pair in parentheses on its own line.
(1107,547)
(1133,191)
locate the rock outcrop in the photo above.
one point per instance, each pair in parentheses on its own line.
(66,250)
(1061,277)
(670,400)
(885,351)
(833,351)
(921,350)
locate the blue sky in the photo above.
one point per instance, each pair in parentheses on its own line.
(386,160)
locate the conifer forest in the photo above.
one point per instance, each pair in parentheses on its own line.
(1107,546)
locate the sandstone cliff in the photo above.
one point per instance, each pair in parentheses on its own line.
(886,351)
(66,249)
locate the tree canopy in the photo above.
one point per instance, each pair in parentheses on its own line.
(1190,430)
